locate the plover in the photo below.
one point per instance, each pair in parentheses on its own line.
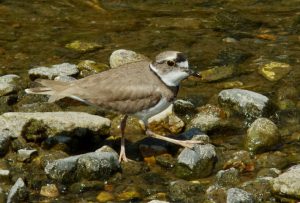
(141,89)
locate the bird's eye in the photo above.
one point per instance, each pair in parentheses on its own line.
(171,63)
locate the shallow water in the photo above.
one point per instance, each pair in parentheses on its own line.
(35,32)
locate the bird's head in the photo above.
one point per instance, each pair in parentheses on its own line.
(171,67)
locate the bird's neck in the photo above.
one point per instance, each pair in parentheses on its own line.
(171,79)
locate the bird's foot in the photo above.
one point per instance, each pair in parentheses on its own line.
(122,156)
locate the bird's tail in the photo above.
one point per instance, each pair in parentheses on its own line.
(50,87)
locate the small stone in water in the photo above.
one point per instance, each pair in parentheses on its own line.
(123,56)
(236,195)
(26,154)
(83,47)
(105,196)
(274,71)
(49,190)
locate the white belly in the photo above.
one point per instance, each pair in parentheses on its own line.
(147,113)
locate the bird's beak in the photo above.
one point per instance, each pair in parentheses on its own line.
(195,74)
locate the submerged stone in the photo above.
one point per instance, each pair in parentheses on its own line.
(83,47)
(123,56)
(88,67)
(217,73)
(274,71)
(228,178)
(64,69)
(262,135)
(49,190)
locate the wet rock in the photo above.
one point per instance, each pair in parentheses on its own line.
(18,192)
(230,84)
(49,190)
(83,47)
(287,97)
(274,71)
(209,117)
(269,172)
(8,84)
(38,107)
(184,191)
(122,56)
(26,154)
(216,193)
(262,135)
(165,160)
(183,107)
(229,40)
(4,175)
(227,178)
(248,103)
(288,183)
(260,188)
(88,67)
(132,168)
(52,123)
(105,197)
(236,195)
(62,169)
(98,165)
(197,162)
(5,137)
(288,121)
(240,160)
(217,73)
(95,165)
(166,122)
(64,69)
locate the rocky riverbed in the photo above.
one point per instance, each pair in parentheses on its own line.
(245,108)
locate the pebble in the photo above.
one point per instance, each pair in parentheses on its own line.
(197,162)
(288,183)
(4,175)
(26,154)
(64,69)
(71,123)
(182,191)
(18,192)
(248,103)
(274,71)
(236,195)
(8,84)
(217,73)
(123,56)
(228,178)
(89,67)
(49,190)
(105,197)
(83,47)
(263,135)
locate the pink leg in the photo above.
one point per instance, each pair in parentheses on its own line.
(183,143)
(122,156)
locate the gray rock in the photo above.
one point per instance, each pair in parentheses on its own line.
(288,183)
(95,165)
(183,107)
(197,162)
(236,195)
(73,123)
(209,117)
(123,56)
(26,154)
(263,135)
(248,103)
(5,137)
(64,78)
(63,169)
(18,192)
(269,172)
(64,69)
(227,178)
(8,84)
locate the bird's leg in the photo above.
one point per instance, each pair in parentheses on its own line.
(122,156)
(183,143)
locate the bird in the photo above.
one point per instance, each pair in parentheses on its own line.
(141,89)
